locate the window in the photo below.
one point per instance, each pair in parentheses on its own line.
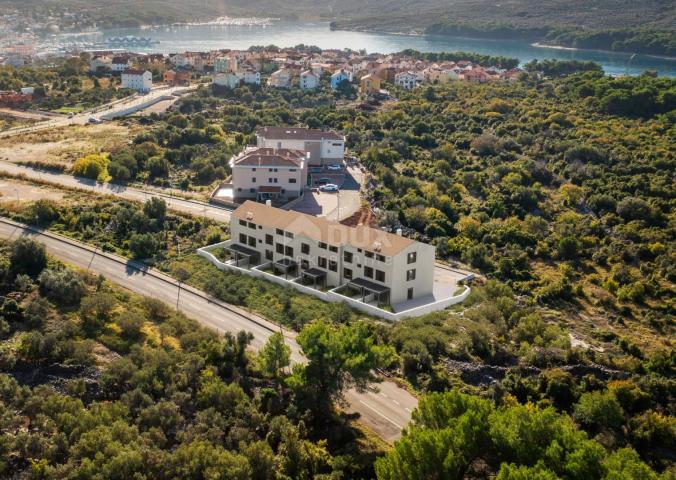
(292,180)
(333,265)
(252,225)
(253,179)
(347,257)
(279,231)
(252,241)
(347,273)
(322,245)
(268,239)
(380,258)
(305,248)
(412,257)
(288,251)
(242,238)
(321,262)
(368,254)
(252,190)
(359,250)
(304,264)
(410,275)
(409,294)
(333,249)
(269,169)
(242,223)
(253,169)
(268,254)
(368,272)
(380,275)
(288,234)
(292,169)
(280,248)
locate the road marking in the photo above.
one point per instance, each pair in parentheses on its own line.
(397,403)
(384,395)
(384,416)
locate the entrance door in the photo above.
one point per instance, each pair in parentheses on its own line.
(410,294)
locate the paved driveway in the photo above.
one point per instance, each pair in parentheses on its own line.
(334,206)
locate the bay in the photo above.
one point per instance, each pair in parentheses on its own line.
(180,38)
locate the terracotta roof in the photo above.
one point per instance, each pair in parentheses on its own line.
(297,133)
(322,230)
(270,157)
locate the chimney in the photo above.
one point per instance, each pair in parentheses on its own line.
(399,232)
(268,203)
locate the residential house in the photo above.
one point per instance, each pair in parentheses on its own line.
(476,75)
(226,64)
(280,78)
(324,146)
(174,78)
(121,63)
(371,265)
(264,173)
(100,64)
(139,80)
(339,77)
(229,80)
(249,76)
(308,80)
(368,85)
(14,99)
(407,80)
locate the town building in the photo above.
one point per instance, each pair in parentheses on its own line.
(324,147)
(369,85)
(174,78)
(100,64)
(280,78)
(339,77)
(249,76)
(308,80)
(139,80)
(376,266)
(225,64)
(121,63)
(229,80)
(407,80)
(269,174)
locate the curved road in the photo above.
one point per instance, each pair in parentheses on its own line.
(193,207)
(385,411)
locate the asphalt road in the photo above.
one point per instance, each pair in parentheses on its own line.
(192,207)
(385,411)
(107,110)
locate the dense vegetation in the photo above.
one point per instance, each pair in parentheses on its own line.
(106,384)
(62,86)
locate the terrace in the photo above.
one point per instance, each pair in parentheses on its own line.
(360,294)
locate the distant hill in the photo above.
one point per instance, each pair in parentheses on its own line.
(647,26)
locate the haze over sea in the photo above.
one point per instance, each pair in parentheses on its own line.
(179,38)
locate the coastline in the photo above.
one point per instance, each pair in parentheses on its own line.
(533,44)
(575,49)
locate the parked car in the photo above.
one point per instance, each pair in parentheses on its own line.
(329,187)
(323,181)
(336,167)
(95,121)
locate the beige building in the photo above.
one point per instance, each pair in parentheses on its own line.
(368,264)
(269,174)
(324,146)
(368,85)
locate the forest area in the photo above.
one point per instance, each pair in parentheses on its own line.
(557,189)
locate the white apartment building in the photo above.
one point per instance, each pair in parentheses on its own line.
(269,174)
(139,80)
(280,78)
(371,264)
(229,80)
(101,63)
(225,64)
(308,80)
(407,80)
(250,77)
(324,146)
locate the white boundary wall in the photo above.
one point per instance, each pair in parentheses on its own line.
(331,295)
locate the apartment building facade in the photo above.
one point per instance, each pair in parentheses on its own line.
(325,147)
(377,265)
(139,80)
(262,173)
